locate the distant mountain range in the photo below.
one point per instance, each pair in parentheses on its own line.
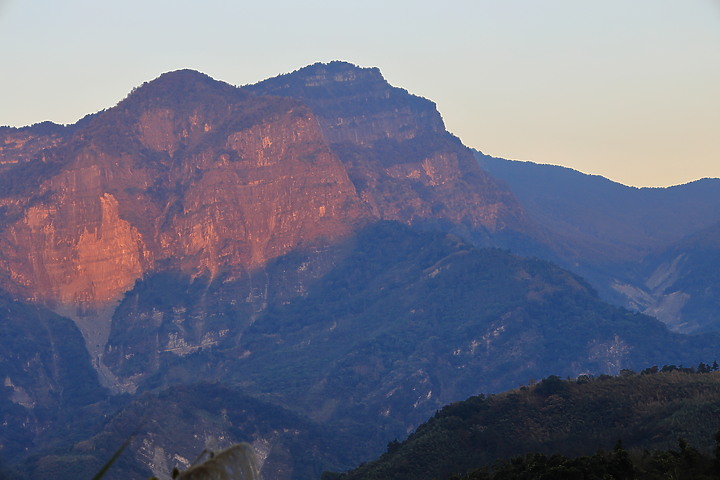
(313,265)
(650,249)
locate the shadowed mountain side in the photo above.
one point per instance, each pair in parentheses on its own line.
(682,283)
(603,222)
(172,428)
(404,323)
(615,235)
(46,373)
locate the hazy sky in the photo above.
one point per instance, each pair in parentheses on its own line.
(628,89)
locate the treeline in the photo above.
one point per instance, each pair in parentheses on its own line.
(560,429)
(701,368)
(683,463)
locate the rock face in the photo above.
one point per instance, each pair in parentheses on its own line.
(403,163)
(206,189)
(195,175)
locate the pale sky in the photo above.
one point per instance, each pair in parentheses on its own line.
(628,89)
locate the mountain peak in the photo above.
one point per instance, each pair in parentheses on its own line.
(340,84)
(175,86)
(336,88)
(328,75)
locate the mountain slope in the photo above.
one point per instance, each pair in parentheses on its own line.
(172,428)
(403,323)
(625,240)
(402,161)
(46,373)
(557,417)
(682,283)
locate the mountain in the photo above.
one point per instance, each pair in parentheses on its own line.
(314,255)
(571,418)
(191,174)
(199,199)
(46,373)
(682,282)
(174,427)
(403,323)
(625,240)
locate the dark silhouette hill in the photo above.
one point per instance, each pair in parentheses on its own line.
(648,412)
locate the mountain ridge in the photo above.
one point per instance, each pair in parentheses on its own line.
(188,172)
(317,241)
(623,239)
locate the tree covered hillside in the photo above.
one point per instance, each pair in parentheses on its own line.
(648,411)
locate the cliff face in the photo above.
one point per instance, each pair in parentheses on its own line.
(403,163)
(202,187)
(193,175)
(202,231)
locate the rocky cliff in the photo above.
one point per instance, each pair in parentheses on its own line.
(403,163)
(258,237)
(221,180)
(191,174)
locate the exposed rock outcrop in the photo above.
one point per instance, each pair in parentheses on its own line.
(193,175)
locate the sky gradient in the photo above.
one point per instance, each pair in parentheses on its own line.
(627,89)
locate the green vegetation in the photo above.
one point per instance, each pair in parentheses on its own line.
(685,463)
(567,429)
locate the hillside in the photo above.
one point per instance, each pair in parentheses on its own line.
(316,247)
(571,418)
(404,323)
(682,283)
(628,242)
(46,373)
(172,427)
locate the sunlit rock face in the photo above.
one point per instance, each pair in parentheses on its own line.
(146,182)
(403,163)
(193,175)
